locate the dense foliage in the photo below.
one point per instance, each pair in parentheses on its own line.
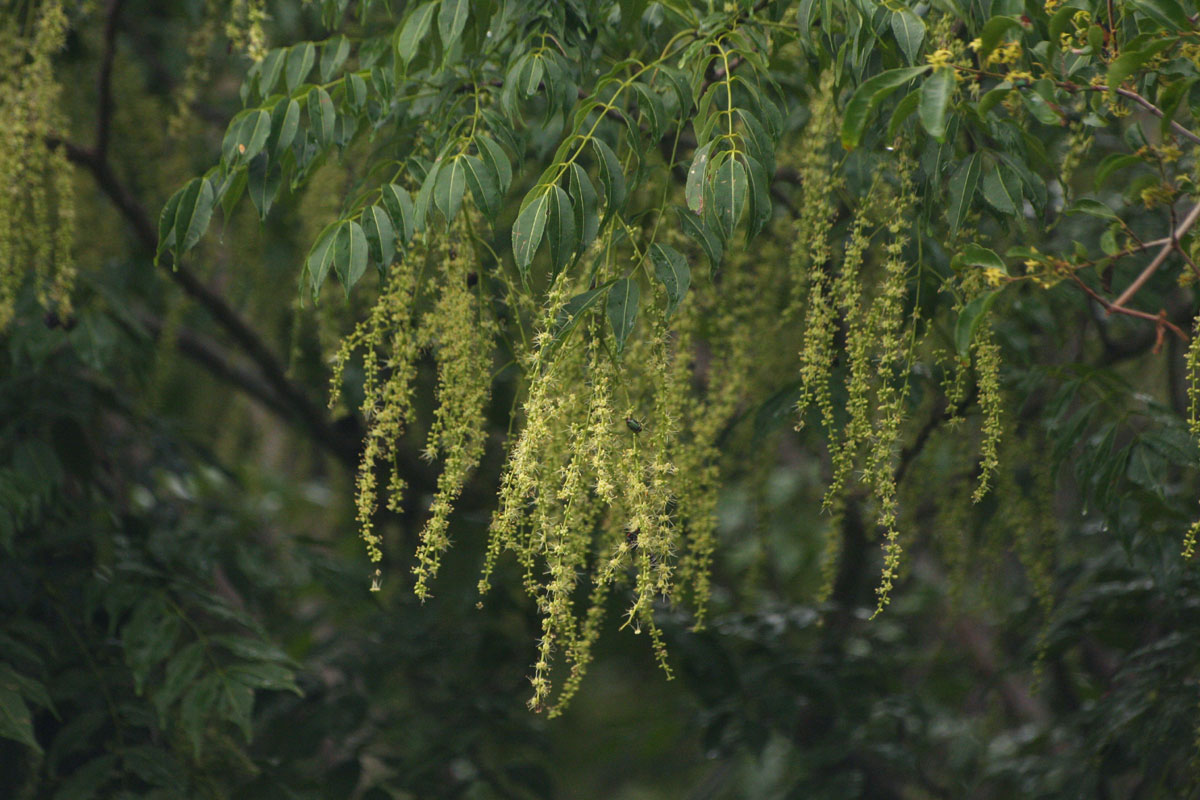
(845,350)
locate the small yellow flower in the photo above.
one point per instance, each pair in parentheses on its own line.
(994,276)
(940,58)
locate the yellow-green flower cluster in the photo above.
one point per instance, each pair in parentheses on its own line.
(37,213)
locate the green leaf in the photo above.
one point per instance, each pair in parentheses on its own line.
(333,55)
(16,722)
(197,707)
(671,268)
(729,195)
(250,135)
(962,190)
(181,670)
(530,225)
(993,33)
(903,111)
(909,30)
(265,675)
(285,122)
(586,203)
(452,18)
(1040,109)
(1002,190)
(494,156)
(166,223)
(935,99)
(651,107)
(449,189)
(321,115)
(695,227)
(264,183)
(192,215)
(300,62)
(560,228)
(381,237)
(694,189)
(148,638)
(622,310)
(237,706)
(611,176)
(974,255)
(350,253)
(573,310)
(1168,13)
(1130,61)
(969,320)
(413,31)
(320,258)
(482,181)
(399,204)
(272,68)
(1092,208)
(1112,163)
(868,96)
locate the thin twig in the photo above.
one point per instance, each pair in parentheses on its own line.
(1153,266)
(104,81)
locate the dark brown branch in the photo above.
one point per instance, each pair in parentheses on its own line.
(308,413)
(104,81)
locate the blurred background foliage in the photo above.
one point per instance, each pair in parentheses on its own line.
(184,604)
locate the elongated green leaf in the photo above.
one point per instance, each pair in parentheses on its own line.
(935,99)
(320,258)
(909,30)
(16,722)
(350,253)
(1092,208)
(1130,61)
(333,55)
(482,181)
(285,122)
(586,203)
(974,255)
(695,227)
(869,95)
(530,225)
(1040,109)
(573,310)
(1002,190)
(694,189)
(264,182)
(265,675)
(381,237)
(993,33)
(651,107)
(300,62)
(321,115)
(452,18)
(611,176)
(494,156)
(272,68)
(413,31)
(1112,163)
(1168,13)
(399,204)
(623,310)
(729,195)
(449,189)
(181,670)
(193,214)
(969,320)
(560,228)
(671,268)
(166,223)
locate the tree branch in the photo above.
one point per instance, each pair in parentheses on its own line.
(104,81)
